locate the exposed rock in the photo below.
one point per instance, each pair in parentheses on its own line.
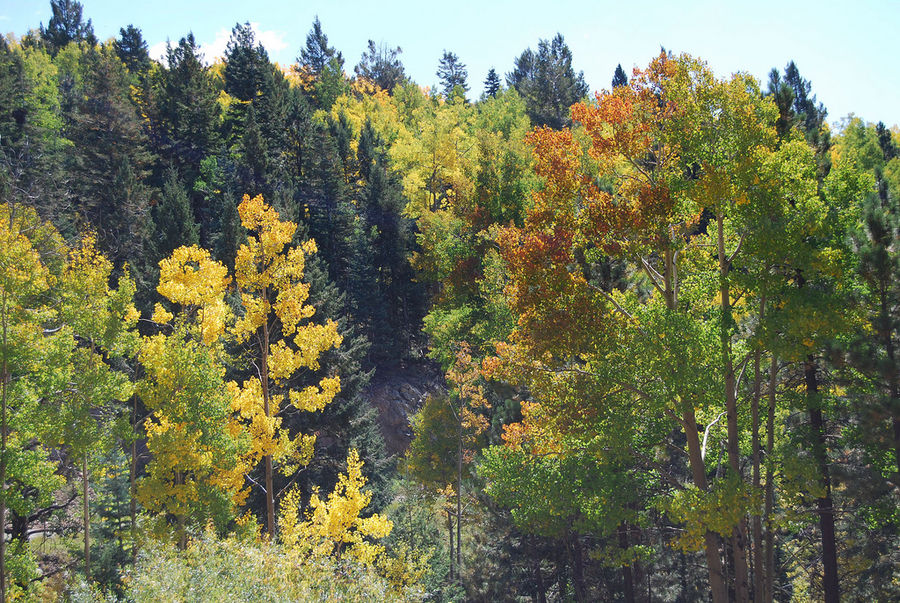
(398,394)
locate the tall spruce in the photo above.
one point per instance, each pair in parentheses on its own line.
(492,83)
(548,82)
(453,75)
(619,77)
(66,25)
(132,50)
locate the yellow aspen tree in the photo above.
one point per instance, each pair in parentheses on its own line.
(269,279)
(196,442)
(334,526)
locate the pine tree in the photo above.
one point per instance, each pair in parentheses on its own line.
(548,83)
(173,220)
(66,25)
(492,83)
(318,54)
(132,50)
(382,66)
(619,77)
(452,74)
(110,159)
(246,64)
(187,125)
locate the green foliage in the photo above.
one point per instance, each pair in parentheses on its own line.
(547,82)
(453,75)
(234,570)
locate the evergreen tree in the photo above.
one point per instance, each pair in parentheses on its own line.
(619,77)
(492,83)
(173,220)
(132,50)
(186,129)
(109,160)
(382,66)
(349,421)
(548,83)
(66,25)
(886,142)
(246,64)
(318,54)
(453,75)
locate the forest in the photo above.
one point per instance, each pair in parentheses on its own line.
(314,332)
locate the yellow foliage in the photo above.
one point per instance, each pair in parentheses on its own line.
(334,526)
(269,278)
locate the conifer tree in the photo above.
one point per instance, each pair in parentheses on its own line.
(317,54)
(382,66)
(66,25)
(452,74)
(132,50)
(492,83)
(548,82)
(619,77)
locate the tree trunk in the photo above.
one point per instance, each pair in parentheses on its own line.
(459,465)
(711,540)
(450,535)
(769,582)
(87,519)
(757,519)
(578,569)
(825,505)
(538,578)
(264,382)
(758,587)
(739,533)
(561,579)
(132,478)
(627,578)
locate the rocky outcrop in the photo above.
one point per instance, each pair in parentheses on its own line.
(398,394)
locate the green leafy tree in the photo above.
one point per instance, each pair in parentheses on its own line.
(29,266)
(101,319)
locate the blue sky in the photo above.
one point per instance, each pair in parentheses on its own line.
(848,51)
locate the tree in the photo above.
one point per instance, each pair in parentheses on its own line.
(187,126)
(619,77)
(670,117)
(197,469)
(382,66)
(173,219)
(318,54)
(132,50)
(66,25)
(269,277)
(246,64)
(547,82)
(110,160)
(333,526)
(453,75)
(102,320)
(492,83)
